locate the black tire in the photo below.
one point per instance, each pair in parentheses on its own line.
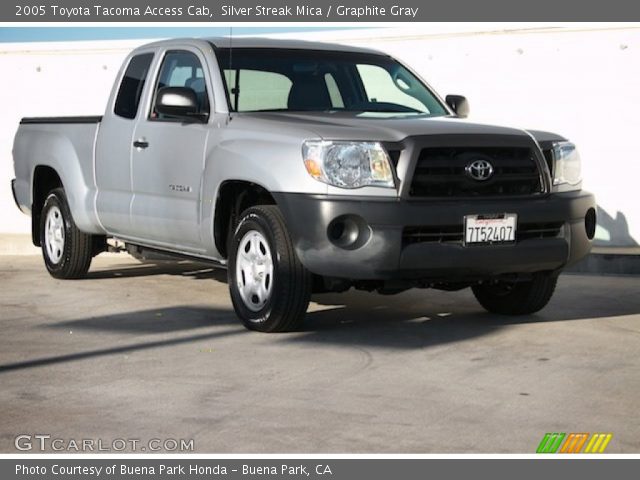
(287,304)
(77,251)
(517,298)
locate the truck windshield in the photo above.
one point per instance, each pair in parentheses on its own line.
(273,79)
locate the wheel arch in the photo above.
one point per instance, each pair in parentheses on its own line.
(45,179)
(235,196)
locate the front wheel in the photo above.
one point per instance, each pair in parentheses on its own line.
(517,298)
(66,250)
(270,288)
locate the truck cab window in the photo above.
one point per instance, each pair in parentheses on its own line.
(255,90)
(334,91)
(182,69)
(381,86)
(131,86)
(298,80)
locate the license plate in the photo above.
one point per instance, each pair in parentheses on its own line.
(495,228)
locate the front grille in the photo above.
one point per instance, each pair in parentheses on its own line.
(454,233)
(440,172)
(538,230)
(440,234)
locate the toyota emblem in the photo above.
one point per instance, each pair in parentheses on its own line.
(480,170)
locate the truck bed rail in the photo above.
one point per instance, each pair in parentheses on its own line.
(37,120)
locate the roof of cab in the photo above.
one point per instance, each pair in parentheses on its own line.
(257,42)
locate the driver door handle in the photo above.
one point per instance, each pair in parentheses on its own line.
(142,143)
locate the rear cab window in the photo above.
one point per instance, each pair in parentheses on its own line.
(261,90)
(379,84)
(131,86)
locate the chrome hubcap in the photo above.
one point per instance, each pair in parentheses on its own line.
(54,235)
(254,270)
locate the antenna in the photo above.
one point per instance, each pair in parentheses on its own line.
(231,90)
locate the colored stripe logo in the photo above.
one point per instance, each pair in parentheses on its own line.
(574,443)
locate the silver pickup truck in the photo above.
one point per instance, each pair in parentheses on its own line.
(302,168)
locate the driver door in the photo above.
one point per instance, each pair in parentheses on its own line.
(167,160)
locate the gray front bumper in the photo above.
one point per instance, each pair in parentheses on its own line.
(384,256)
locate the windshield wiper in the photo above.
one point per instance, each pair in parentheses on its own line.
(390,110)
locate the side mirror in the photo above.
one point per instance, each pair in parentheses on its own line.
(459,105)
(180,102)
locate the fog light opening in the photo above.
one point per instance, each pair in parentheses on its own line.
(590,223)
(348,232)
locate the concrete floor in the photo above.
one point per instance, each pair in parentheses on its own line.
(143,351)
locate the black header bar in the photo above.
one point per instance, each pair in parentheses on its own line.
(344,11)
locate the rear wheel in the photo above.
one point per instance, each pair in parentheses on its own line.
(517,298)
(270,288)
(66,250)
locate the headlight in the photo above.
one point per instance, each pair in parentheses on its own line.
(348,164)
(567,174)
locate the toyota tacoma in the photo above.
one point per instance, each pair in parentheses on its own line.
(303,168)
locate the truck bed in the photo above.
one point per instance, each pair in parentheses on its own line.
(64,145)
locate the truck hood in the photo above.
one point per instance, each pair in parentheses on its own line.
(377,127)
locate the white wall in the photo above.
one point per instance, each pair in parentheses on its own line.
(50,79)
(581,82)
